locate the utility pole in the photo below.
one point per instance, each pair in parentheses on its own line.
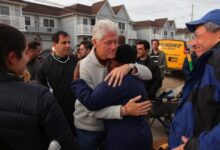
(192,10)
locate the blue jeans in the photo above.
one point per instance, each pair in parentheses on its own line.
(89,140)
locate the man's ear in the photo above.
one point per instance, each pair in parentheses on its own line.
(94,42)
(12,58)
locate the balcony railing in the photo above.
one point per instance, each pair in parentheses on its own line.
(47,30)
(17,22)
(82,29)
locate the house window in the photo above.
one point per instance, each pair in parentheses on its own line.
(4,10)
(92,21)
(121,25)
(165,33)
(49,23)
(155,31)
(172,34)
(27,20)
(85,21)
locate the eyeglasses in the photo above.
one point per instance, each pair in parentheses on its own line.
(197,36)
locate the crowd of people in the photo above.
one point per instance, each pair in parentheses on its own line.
(100,98)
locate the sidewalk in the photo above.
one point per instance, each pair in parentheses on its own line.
(159,135)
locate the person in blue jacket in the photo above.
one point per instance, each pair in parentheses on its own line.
(196,124)
(132,132)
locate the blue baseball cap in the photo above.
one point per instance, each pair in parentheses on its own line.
(212,16)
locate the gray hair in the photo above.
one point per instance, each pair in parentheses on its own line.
(102,27)
(211,27)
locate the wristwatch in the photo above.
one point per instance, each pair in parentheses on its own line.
(131,66)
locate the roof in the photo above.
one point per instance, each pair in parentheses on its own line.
(76,8)
(14,1)
(18,1)
(157,23)
(44,9)
(160,22)
(116,9)
(97,6)
(147,23)
(182,31)
(171,22)
(79,8)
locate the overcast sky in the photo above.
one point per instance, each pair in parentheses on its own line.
(178,10)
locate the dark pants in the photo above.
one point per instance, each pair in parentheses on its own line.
(89,140)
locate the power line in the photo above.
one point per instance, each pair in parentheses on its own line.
(169,10)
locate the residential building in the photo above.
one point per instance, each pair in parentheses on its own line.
(39,22)
(11,13)
(183,34)
(84,17)
(157,29)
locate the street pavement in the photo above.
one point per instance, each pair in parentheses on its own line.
(171,81)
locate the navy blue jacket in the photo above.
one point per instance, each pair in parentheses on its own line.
(130,133)
(198,116)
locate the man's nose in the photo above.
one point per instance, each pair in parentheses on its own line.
(193,42)
(114,45)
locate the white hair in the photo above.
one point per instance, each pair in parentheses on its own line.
(212,27)
(102,27)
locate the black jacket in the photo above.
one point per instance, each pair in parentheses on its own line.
(30,116)
(58,76)
(155,83)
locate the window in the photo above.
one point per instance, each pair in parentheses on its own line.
(172,34)
(121,25)
(165,33)
(92,21)
(155,31)
(4,10)
(49,23)
(85,21)
(27,20)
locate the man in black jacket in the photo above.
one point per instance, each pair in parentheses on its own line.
(155,83)
(30,115)
(57,72)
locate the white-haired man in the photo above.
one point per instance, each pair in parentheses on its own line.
(93,70)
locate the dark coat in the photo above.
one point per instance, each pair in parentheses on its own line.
(153,85)
(58,76)
(198,115)
(30,116)
(130,133)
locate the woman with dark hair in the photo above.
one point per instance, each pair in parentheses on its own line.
(30,115)
(130,133)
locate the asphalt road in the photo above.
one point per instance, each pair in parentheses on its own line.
(171,81)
